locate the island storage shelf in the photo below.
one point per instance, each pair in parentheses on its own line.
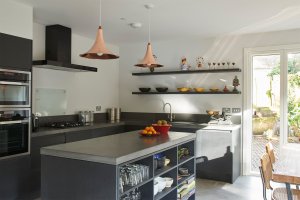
(77,177)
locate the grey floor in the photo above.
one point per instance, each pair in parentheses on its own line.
(244,188)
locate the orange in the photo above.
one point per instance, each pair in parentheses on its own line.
(149,133)
(144,132)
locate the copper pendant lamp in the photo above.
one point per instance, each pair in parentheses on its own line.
(149,60)
(99,50)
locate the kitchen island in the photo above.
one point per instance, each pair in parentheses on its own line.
(90,169)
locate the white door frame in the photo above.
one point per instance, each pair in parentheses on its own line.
(247,98)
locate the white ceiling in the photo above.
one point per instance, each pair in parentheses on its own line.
(171,19)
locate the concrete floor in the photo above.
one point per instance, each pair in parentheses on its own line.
(244,188)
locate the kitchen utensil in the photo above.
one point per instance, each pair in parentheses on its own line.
(111,114)
(161,89)
(117,114)
(145,89)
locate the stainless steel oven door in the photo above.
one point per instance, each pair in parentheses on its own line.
(15,88)
(14,132)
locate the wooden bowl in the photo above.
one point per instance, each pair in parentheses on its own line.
(184,89)
(199,89)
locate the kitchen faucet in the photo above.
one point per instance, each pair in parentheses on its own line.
(171,116)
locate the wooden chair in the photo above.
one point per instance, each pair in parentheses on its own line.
(268,176)
(270,151)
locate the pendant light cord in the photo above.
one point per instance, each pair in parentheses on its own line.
(149,25)
(100,9)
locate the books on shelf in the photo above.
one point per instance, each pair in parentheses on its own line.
(187,189)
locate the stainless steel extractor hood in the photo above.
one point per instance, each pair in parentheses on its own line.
(58,51)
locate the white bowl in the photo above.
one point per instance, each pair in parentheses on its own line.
(155,189)
(160,182)
(169,181)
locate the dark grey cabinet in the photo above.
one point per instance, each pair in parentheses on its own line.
(14,178)
(15,52)
(35,171)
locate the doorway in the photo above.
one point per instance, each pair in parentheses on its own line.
(271,102)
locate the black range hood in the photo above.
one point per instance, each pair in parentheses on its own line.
(58,51)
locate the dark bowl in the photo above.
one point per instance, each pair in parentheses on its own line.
(161,89)
(145,89)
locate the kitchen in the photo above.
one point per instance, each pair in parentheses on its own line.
(79,102)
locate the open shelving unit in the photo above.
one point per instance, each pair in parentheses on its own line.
(147,186)
(198,93)
(187,72)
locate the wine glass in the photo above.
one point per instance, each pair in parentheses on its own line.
(219,64)
(214,64)
(223,65)
(228,64)
(233,64)
(209,65)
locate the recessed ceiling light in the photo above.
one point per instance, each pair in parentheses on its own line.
(122,18)
(135,25)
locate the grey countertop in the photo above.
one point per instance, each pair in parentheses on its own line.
(117,149)
(43,131)
(50,131)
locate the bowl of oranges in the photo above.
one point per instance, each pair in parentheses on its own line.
(149,131)
(162,126)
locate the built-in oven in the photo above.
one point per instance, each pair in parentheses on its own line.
(15,88)
(14,131)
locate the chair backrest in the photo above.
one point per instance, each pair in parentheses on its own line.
(266,170)
(271,153)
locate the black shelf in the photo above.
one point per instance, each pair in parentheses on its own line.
(183,179)
(159,172)
(185,159)
(165,192)
(187,72)
(149,93)
(128,189)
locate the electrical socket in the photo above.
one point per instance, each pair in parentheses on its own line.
(98,108)
(236,110)
(226,110)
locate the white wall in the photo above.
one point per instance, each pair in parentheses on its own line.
(169,54)
(16,19)
(85,90)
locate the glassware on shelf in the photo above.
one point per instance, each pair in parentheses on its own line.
(219,64)
(214,65)
(133,195)
(133,174)
(223,65)
(233,65)
(228,64)
(209,65)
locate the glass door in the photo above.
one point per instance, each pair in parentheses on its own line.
(265,105)
(293,98)
(271,104)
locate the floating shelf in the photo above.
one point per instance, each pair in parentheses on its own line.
(188,72)
(148,93)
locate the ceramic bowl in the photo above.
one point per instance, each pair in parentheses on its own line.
(161,89)
(184,89)
(161,183)
(199,89)
(167,161)
(183,171)
(145,89)
(169,181)
(155,189)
